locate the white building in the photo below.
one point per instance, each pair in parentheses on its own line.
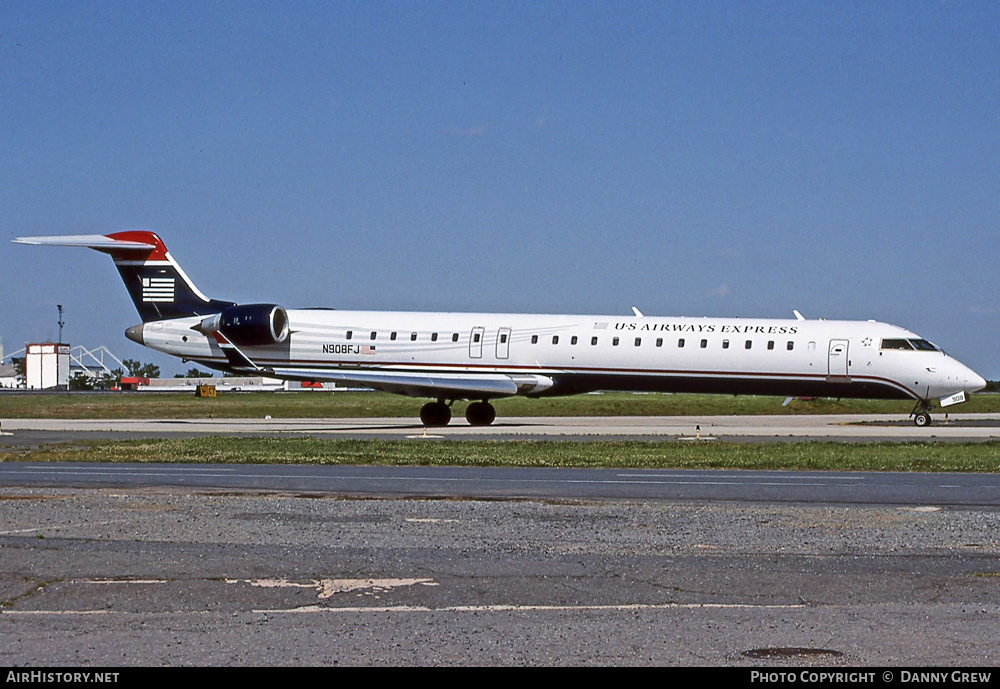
(46,366)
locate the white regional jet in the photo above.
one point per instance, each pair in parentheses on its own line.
(484,356)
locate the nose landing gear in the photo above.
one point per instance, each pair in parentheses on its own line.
(921,414)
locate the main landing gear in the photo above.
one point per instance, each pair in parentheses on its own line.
(480,413)
(435,414)
(439,413)
(921,414)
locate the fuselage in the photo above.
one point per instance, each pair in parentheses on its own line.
(569,354)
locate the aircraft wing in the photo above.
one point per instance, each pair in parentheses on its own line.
(464,386)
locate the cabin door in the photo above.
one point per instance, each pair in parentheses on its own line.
(503,343)
(838,359)
(476,343)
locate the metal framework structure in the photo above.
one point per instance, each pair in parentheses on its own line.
(92,361)
(80,355)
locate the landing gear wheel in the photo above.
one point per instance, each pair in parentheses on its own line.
(922,419)
(480,414)
(435,414)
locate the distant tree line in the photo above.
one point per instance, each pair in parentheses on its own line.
(194,373)
(113,380)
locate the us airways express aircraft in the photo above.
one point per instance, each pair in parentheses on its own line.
(484,356)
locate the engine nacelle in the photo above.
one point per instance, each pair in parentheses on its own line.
(249,324)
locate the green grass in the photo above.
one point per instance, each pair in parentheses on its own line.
(975,457)
(373,404)
(968,457)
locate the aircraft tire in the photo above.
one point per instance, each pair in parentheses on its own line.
(480,414)
(922,419)
(435,414)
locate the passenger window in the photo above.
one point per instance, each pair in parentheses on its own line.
(503,338)
(573,340)
(725,344)
(534,339)
(790,346)
(392,336)
(593,340)
(749,344)
(770,344)
(373,335)
(614,342)
(434,337)
(413,337)
(680,343)
(350,334)
(454,337)
(659,342)
(638,341)
(704,343)
(555,339)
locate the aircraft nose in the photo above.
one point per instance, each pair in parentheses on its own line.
(974,382)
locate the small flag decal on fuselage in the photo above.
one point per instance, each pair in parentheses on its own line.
(158,289)
(367,349)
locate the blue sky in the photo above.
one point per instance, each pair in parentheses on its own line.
(689,158)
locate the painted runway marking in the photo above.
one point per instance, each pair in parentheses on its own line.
(122,581)
(624,607)
(60,527)
(328,587)
(314,609)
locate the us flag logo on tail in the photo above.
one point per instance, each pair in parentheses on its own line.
(158,289)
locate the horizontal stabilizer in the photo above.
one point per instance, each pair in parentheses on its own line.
(90,241)
(157,285)
(412,384)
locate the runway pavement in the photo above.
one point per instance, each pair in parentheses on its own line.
(246,565)
(183,576)
(956,427)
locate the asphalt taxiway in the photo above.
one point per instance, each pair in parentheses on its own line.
(836,427)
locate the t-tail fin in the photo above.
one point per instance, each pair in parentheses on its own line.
(157,285)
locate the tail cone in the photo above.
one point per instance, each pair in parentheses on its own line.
(135,333)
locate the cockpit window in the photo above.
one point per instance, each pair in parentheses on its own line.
(919,345)
(896,344)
